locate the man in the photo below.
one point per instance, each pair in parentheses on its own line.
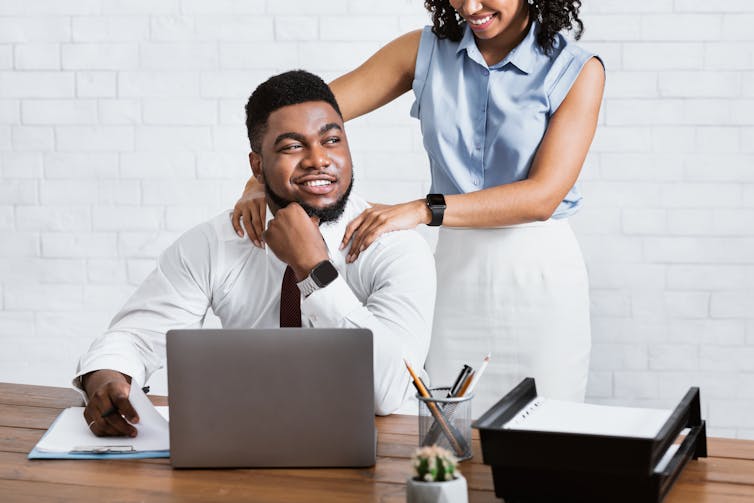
(300,151)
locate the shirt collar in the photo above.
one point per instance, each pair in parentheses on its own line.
(522,56)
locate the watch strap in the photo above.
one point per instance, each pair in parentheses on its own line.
(311,283)
(436,205)
(307,286)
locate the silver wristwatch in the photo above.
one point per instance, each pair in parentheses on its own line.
(322,275)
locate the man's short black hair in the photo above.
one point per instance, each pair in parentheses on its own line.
(289,88)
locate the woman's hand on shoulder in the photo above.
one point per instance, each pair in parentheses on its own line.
(250,212)
(363,230)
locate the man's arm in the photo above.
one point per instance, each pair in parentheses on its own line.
(397,274)
(175,295)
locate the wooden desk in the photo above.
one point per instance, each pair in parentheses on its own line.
(26,412)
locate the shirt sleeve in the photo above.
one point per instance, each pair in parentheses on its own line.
(421,68)
(398,272)
(175,295)
(567,69)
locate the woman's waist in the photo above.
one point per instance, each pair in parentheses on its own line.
(550,222)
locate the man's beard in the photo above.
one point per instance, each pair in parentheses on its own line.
(327,214)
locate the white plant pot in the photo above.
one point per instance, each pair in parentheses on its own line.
(450,491)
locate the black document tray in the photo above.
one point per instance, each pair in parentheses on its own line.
(536,466)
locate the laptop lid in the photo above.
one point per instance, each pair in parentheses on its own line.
(283,397)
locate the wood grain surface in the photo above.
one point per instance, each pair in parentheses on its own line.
(26,412)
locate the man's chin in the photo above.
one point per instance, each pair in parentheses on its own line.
(325,213)
(324,208)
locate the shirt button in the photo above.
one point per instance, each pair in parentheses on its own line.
(485,71)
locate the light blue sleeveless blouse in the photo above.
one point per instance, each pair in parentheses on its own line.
(483,124)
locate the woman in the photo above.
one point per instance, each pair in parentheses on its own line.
(524,102)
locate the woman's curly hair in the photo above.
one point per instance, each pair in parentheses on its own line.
(553,16)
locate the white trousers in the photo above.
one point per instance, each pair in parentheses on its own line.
(520,293)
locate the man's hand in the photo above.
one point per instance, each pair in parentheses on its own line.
(108,404)
(296,240)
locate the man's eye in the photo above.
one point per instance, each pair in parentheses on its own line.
(332,139)
(293,146)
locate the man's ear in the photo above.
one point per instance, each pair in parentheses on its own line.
(255,161)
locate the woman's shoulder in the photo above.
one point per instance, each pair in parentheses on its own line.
(426,37)
(566,51)
(565,62)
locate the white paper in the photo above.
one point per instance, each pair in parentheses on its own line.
(70,431)
(543,414)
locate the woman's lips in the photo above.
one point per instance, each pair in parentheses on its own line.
(479,23)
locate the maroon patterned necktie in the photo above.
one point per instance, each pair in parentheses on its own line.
(290,300)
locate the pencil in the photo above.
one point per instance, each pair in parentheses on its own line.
(466,386)
(455,438)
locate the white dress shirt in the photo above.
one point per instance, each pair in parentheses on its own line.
(389,289)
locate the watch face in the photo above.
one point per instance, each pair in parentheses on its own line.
(324,274)
(435,200)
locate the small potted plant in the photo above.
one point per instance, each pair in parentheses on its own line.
(436,477)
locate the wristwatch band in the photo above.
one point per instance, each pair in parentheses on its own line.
(321,275)
(436,205)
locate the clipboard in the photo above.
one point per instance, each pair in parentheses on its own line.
(94,448)
(69,437)
(566,466)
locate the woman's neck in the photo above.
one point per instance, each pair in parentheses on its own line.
(496,49)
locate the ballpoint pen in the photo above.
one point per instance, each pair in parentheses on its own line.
(462,375)
(113,409)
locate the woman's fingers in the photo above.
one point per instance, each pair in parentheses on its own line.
(371,227)
(246,220)
(352,227)
(257,221)
(378,220)
(235,220)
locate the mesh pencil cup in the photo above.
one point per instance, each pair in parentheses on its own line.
(446,422)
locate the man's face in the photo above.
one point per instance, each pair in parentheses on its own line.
(305,158)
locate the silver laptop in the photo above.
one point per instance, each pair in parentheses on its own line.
(283,397)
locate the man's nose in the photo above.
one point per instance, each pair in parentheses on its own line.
(317,158)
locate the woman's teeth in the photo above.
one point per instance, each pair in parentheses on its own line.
(480,21)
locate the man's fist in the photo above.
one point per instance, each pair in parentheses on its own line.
(296,240)
(108,406)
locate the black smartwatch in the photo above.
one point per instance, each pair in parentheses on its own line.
(436,204)
(322,275)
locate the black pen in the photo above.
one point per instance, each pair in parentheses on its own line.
(113,409)
(459,381)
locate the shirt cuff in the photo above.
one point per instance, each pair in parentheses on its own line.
(331,305)
(135,370)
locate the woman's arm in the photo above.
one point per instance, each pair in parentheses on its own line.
(555,168)
(378,81)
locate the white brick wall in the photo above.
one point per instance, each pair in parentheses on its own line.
(121,125)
